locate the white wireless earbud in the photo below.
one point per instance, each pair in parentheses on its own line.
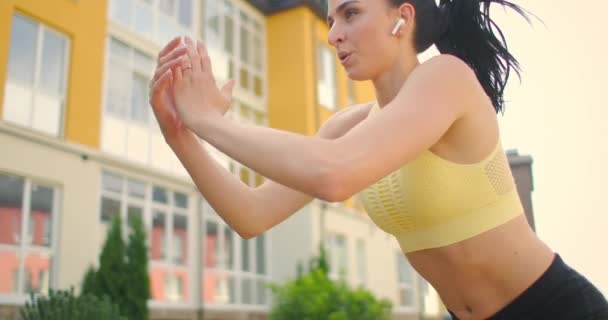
(398,25)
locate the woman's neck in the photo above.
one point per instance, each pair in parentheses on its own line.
(388,84)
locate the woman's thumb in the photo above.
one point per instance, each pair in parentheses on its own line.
(227,89)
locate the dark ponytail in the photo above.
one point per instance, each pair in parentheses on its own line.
(464,29)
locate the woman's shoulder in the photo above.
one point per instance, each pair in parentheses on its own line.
(447,67)
(446,73)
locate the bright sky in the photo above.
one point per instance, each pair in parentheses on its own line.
(557,114)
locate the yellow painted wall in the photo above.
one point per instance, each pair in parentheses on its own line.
(84,22)
(291,71)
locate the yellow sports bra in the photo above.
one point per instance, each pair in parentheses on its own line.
(431,202)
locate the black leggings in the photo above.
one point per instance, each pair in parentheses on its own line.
(561,293)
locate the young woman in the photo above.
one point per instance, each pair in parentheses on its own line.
(426,157)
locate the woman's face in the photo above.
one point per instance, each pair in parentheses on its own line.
(360,30)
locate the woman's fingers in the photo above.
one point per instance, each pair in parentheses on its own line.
(167,66)
(169,47)
(159,89)
(204,57)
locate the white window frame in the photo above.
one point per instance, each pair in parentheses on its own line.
(327,82)
(220,57)
(148,206)
(237,273)
(156,35)
(412,287)
(170,162)
(35,88)
(23,248)
(337,272)
(361,256)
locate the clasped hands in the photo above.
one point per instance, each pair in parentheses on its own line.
(183,91)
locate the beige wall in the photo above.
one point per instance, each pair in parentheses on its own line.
(78,182)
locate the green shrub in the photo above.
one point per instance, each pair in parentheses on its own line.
(63,305)
(313,296)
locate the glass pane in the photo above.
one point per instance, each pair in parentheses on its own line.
(134,211)
(342,257)
(22,53)
(120,50)
(218,288)
(111,182)
(228,248)
(121,11)
(406,297)
(185,13)
(245,255)
(257,86)
(405,272)
(212,11)
(158,239)
(261,292)
(180,239)
(257,53)
(11,214)
(260,251)
(230,69)
(9,270)
(260,118)
(244,44)
(52,69)
(244,175)
(139,100)
(228,34)
(259,180)
(136,189)
(144,19)
(160,195)
(158,285)
(143,62)
(244,78)
(175,287)
(361,261)
(109,208)
(41,216)
(119,77)
(166,6)
(212,245)
(37,273)
(180,200)
(247,287)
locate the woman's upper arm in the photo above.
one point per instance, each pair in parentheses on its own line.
(277,201)
(436,94)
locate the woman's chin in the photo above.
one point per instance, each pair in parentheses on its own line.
(355,74)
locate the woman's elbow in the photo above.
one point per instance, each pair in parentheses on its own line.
(333,187)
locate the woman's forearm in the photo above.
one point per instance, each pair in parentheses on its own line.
(300,162)
(234,201)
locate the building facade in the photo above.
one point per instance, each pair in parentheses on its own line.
(79,144)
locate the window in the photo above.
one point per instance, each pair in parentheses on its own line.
(35,92)
(129,127)
(166,213)
(159,20)
(407,282)
(235,37)
(361,263)
(337,256)
(350,93)
(27,213)
(326,73)
(235,270)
